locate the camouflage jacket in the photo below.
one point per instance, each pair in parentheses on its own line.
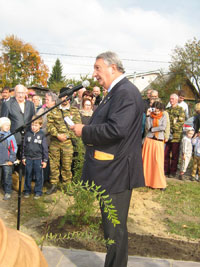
(177,118)
(56,124)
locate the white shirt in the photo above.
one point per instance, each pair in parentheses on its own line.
(21,105)
(118,79)
(185,107)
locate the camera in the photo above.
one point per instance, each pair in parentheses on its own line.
(152,109)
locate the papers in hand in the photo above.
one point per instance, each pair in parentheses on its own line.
(68,121)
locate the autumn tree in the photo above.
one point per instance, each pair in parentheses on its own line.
(20,63)
(186,62)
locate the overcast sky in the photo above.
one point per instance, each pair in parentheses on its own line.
(75,31)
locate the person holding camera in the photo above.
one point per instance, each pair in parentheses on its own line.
(155,97)
(177,118)
(153,148)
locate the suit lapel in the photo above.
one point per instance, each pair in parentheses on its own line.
(17,107)
(107,99)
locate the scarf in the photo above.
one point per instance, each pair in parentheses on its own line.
(156,119)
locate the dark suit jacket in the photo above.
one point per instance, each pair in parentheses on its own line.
(115,128)
(11,109)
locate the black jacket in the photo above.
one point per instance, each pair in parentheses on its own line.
(35,146)
(11,109)
(113,140)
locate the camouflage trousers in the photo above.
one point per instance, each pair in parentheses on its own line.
(196,166)
(60,157)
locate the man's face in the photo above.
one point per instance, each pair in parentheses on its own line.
(173,101)
(49,102)
(20,94)
(103,73)
(96,91)
(181,99)
(149,93)
(65,103)
(5,94)
(153,95)
(36,100)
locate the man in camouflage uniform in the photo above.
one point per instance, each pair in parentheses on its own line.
(61,147)
(177,118)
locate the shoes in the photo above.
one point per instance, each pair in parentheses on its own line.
(163,189)
(52,190)
(7,196)
(192,178)
(26,195)
(37,196)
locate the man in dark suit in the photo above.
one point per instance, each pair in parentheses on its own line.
(5,93)
(18,110)
(113,149)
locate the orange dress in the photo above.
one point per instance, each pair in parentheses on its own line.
(153,163)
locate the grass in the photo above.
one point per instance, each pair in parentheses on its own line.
(33,209)
(181,202)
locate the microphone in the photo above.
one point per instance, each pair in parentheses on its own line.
(68,92)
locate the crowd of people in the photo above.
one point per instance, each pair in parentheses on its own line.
(47,148)
(162,137)
(165,143)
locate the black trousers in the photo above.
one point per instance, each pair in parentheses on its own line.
(117,253)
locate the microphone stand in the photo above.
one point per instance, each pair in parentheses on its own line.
(22,129)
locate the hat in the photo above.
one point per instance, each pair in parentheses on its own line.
(63,89)
(31,93)
(4,120)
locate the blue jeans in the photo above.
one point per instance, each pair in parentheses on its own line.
(33,166)
(7,178)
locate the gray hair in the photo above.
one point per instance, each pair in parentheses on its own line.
(53,96)
(20,86)
(175,96)
(154,91)
(111,58)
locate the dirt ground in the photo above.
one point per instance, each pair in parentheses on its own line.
(148,235)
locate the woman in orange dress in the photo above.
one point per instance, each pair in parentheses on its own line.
(153,148)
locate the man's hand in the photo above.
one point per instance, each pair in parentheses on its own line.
(77,129)
(62,137)
(9,163)
(44,164)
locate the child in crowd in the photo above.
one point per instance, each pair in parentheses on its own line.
(186,152)
(196,159)
(8,150)
(34,157)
